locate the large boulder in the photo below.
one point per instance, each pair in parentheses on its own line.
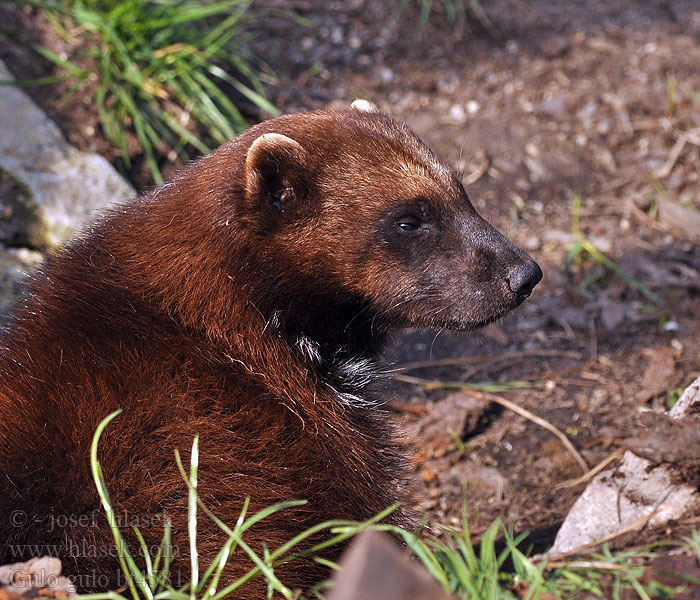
(48,189)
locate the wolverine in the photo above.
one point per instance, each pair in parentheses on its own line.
(245,302)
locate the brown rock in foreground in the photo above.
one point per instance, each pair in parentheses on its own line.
(38,577)
(375,567)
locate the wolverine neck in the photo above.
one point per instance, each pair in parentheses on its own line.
(342,331)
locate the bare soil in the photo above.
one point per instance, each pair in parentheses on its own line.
(550,101)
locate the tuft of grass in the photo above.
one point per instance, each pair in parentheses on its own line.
(498,569)
(584,250)
(459,12)
(150,581)
(673,395)
(164,71)
(495,569)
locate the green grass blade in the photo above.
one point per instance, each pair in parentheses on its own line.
(39,81)
(165,554)
(146,557)
(192,516)
(215,569)
(135,581)
(253,96)
(611,265)
(141,133)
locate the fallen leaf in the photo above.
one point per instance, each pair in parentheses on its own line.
(660,374)
(681,220)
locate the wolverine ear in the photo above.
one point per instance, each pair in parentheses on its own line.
(276,174)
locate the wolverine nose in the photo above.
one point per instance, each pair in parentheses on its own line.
(524,278)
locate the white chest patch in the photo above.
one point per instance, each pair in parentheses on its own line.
(349,376)
(354,375)
(309,348)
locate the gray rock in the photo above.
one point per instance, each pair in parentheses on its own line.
(618,498)
(16,264)
(48,189)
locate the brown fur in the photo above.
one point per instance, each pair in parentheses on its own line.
(227,304)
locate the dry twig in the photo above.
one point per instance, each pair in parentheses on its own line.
(593,472)
(689,137)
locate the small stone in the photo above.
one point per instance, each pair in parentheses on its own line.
(386,75)
(671,326)
(337,35)
(427,475)
(553,107)
(457,114)
(602,243)
(555,47)
(533,243)
(532,150)
(448,85)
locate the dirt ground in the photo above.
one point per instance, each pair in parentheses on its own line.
(552,101)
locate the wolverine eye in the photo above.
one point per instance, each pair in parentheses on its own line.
(408,223)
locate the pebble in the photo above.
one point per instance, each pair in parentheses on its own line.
(337,35)
(457,114)
(533,243)
(473,107)
(386,75)
(554,107)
